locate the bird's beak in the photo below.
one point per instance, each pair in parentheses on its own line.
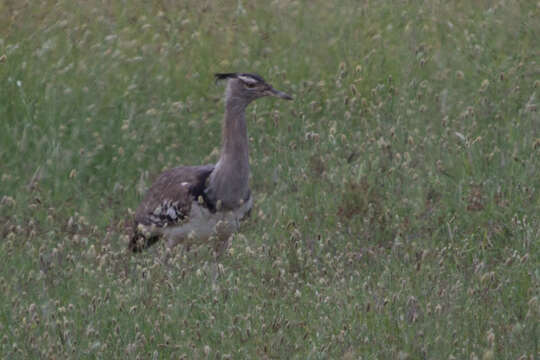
(279,94)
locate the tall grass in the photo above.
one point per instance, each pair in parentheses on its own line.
(396,199)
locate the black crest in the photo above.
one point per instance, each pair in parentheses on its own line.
(224,76)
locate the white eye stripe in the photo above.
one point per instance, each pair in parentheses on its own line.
(247,79)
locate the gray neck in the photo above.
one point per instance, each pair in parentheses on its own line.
(229,180)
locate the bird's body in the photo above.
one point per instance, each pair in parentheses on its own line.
(197,202)
(177,207)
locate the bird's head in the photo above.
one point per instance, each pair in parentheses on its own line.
(249,87)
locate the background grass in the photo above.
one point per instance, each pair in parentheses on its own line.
(396,199)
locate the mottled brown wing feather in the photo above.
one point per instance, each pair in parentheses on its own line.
(169,198)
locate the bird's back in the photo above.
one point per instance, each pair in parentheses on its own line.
(179,186)
(168,202)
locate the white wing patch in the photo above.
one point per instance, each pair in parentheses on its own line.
(166,214)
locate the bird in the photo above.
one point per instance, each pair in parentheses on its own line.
(194,203)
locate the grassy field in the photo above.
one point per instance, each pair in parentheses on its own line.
(397,199)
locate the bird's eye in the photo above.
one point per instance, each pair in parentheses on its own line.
(250,85)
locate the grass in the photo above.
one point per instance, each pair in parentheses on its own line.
(396,199)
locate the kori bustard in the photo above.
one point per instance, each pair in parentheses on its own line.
(197,202)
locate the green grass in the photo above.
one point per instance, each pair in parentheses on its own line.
(397,203)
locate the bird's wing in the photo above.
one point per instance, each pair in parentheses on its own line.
(168,201)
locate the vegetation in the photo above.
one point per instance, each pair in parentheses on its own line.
(397,199)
